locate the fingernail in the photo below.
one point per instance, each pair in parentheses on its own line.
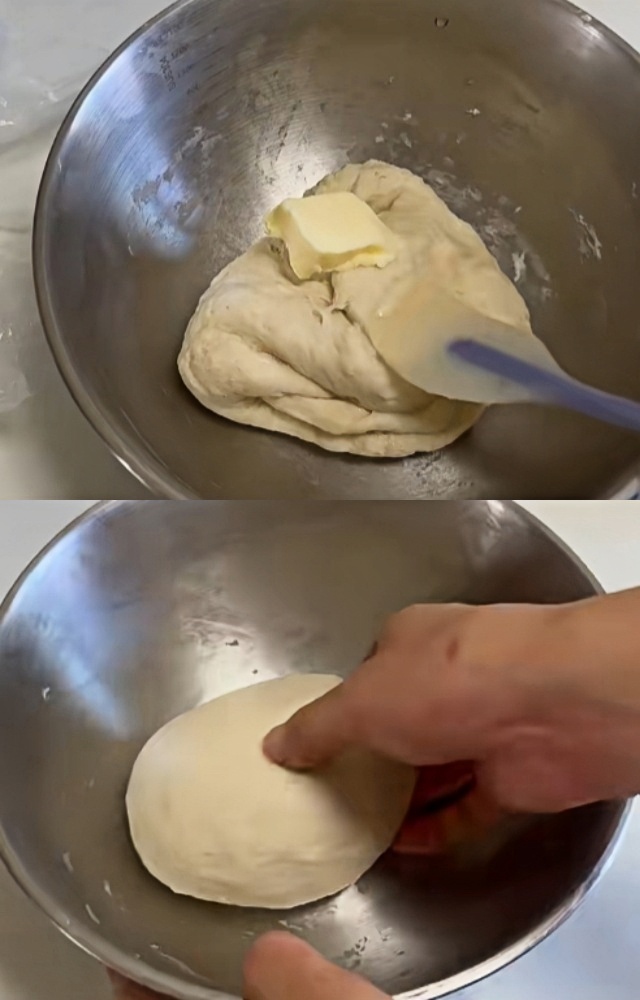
(273,745)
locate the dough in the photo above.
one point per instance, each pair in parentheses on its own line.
(212,818)
(266,349)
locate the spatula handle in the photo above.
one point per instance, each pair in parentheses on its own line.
(550,387)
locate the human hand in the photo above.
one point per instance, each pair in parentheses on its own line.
(279,967)
(515,689)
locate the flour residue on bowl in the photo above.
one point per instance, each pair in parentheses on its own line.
(494,216)
(519,266)
(589,242)
(497,220)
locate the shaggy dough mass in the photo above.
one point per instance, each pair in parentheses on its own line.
(266,349)
(212,818)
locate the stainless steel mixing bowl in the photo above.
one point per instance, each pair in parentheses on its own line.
(523,115)
(142,610)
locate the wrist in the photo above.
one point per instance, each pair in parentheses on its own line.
(520,646)
(588,651)
(596,646)
(523,661)
(507,665)
(572,674)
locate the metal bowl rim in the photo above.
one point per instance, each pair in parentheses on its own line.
(138,461)
(95,945)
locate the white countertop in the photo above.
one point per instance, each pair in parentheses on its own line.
(46,447)
(593,957)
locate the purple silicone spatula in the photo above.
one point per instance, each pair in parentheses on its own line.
(448,349)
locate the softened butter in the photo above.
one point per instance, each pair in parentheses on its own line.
(331,232)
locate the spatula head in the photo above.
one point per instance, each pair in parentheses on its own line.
(415,341)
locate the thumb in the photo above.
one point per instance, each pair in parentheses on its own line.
(281,967)
(314,735)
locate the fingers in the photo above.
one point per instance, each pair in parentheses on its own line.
(281,967)
(390,703)
(314,735)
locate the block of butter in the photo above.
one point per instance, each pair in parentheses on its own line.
(331,232)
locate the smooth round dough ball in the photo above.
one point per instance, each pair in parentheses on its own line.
(211,817)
